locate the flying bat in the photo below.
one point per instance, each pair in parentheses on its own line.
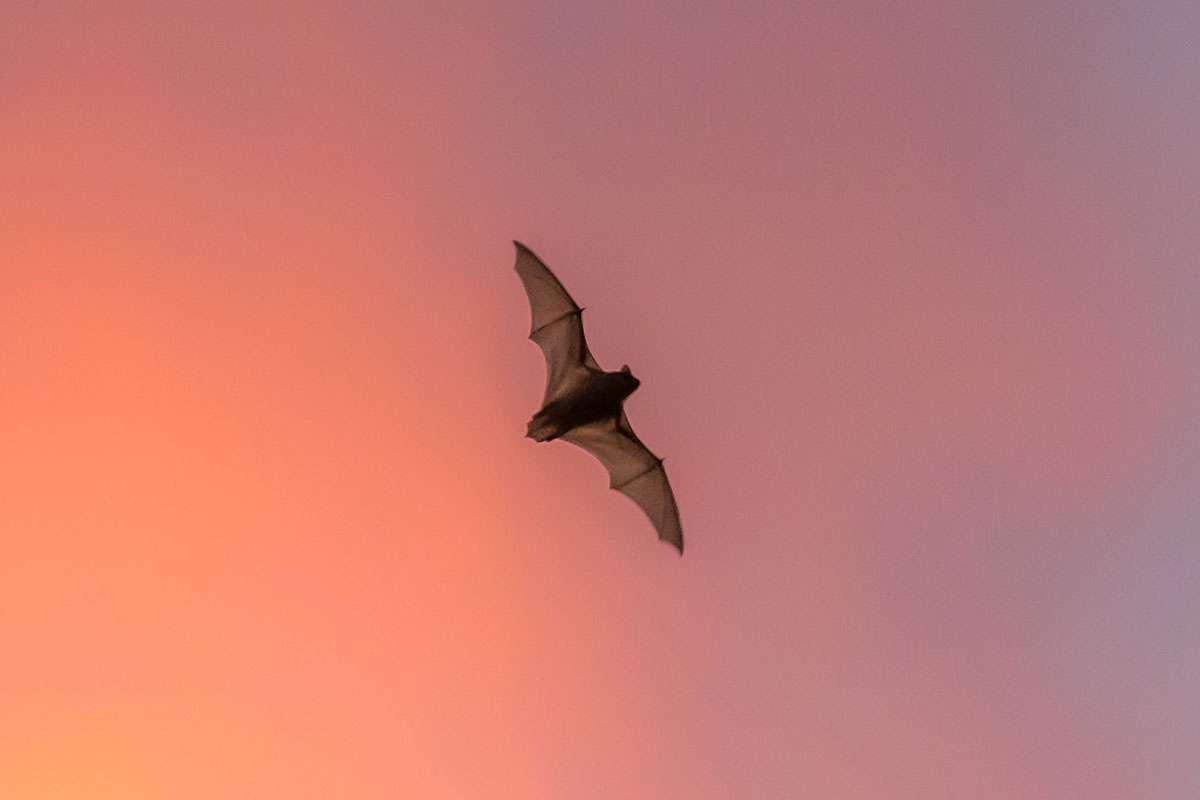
(584,405)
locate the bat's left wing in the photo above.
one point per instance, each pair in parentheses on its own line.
(557,323)
(634,471)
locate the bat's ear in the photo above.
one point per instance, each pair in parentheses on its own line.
(625,369)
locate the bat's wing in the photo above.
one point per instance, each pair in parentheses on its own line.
(634,471)
(557,325)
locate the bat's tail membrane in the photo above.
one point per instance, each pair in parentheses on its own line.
(542,429)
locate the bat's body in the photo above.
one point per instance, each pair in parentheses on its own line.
(598,397)
(584,405)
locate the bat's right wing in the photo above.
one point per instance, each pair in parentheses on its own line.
(634,471)
(557,324)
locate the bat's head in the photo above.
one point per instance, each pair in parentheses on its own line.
(630,381)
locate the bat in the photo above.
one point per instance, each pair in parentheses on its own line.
(584,405)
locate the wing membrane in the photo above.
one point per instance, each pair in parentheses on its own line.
(634,471)
(556,323)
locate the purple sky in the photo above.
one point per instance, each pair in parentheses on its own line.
(914,296)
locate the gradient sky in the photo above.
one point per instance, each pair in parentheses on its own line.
(914,294)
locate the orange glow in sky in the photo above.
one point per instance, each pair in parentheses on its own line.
(912,296)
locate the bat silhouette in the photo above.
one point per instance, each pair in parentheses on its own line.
(584,405)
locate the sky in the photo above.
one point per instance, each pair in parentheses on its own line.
(913,293)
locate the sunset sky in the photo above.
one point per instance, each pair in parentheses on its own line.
(913,290)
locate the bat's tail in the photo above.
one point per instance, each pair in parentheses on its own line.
(542,429)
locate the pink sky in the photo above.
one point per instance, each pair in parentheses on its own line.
(913,295)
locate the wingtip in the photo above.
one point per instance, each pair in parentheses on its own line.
(524,254)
